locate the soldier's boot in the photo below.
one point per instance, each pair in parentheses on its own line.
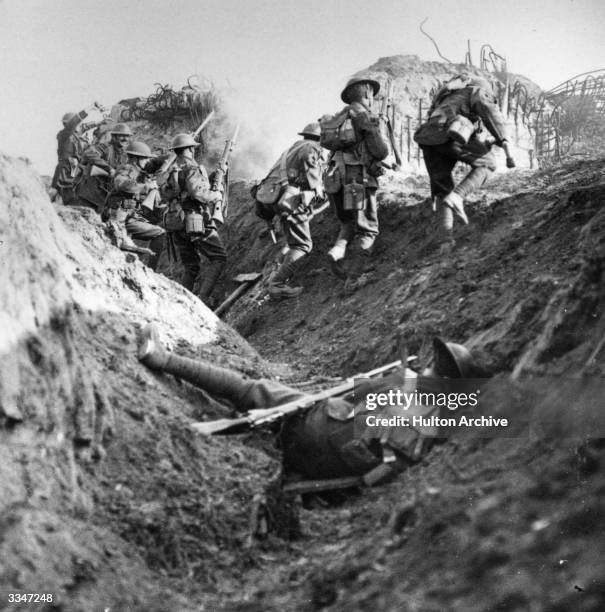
(366,244)
(455,201)
(336,258)
(211,275)
(215,380)
(278,287)
(157,245)
(151,352)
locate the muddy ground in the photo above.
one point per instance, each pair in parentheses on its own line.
(121,506)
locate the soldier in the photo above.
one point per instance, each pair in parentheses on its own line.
(134,191)
(453,133)
(101,162)
(353,169)
(289,190)
(70,147)
(188,219)
(330,439)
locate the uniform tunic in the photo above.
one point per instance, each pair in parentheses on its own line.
(128,191)
(70,146)
(303,165)
(93,190)
(360,164)
(189,189)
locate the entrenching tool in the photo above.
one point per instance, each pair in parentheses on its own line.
(247,282)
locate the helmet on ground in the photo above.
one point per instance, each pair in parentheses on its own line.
(455,361)
(344,96)
(121,129)
(138,149)
(180,141)
(312,130)
(67,117)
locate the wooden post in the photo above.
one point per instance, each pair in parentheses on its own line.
(409,137)
(419,123)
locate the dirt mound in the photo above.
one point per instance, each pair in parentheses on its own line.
(109,501)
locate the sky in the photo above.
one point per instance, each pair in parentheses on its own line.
(285,61)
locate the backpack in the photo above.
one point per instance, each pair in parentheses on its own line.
(270,189)
(337,132)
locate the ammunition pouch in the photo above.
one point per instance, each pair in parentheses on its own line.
(119,208)
(333,179)
(174,217)
(354,196)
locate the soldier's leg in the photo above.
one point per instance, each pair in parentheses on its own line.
(68,196)
(439,166)
(189,258)
(367,221)
(347,230)
(141,229)
(245,393)
(211,246)
(480,156)
(298,236)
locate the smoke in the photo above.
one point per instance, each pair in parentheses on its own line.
(258,143)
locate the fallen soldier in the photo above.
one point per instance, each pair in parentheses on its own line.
(331,438)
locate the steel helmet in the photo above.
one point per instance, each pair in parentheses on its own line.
(138,149)
(481,82)
(131,187)
(180,141)
(67,117)
(311,129)
(455,361)
(121,129)
(344,96)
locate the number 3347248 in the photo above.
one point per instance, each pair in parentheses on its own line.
(30,597)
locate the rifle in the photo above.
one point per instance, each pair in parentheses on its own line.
(170,159)
(264,416)
(387,101)
(220,174)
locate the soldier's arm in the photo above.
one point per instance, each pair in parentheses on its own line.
(369,130)
(95,155)
(125,181)
(198,185)
(312,168)
(155,163)
(484,106)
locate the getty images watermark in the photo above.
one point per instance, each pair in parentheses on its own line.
(497,407)
(413,411)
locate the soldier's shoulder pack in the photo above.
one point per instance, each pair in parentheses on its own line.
(270,188)
(336,131)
